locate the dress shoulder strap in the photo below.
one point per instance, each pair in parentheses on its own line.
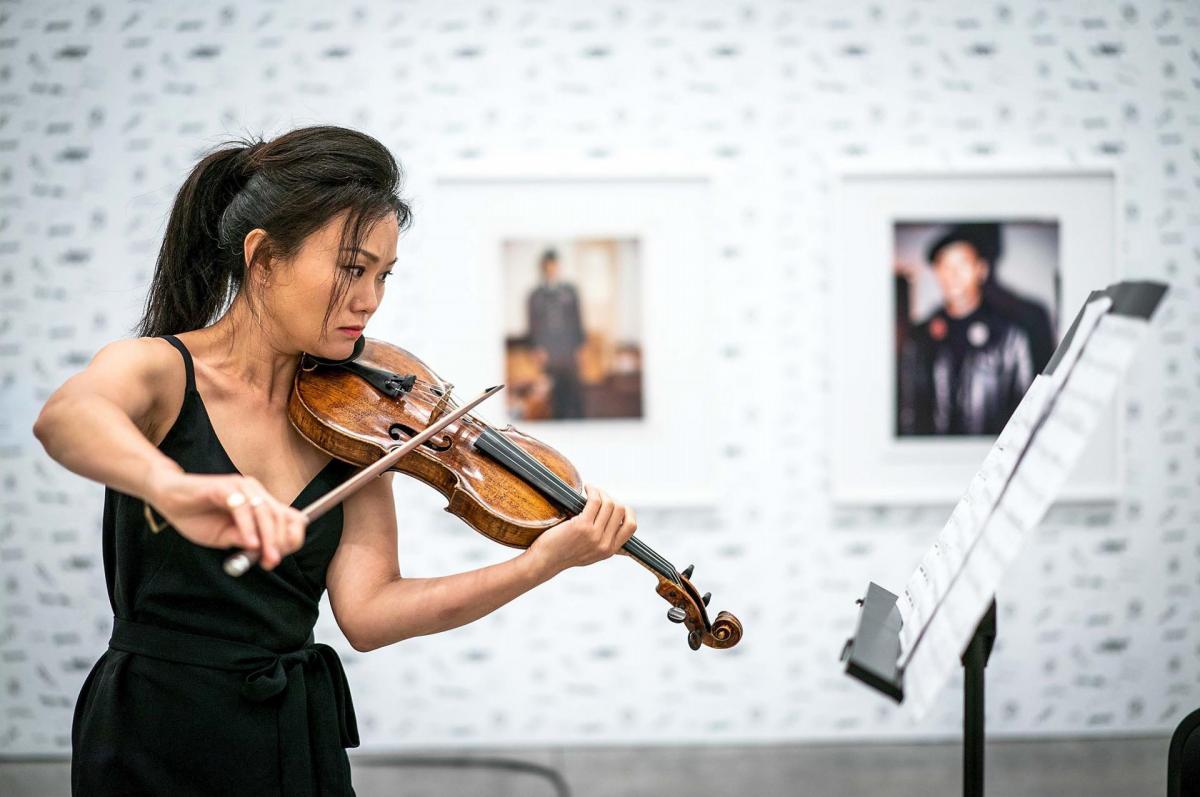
(187,360)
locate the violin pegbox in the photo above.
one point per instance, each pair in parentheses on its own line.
(690,608)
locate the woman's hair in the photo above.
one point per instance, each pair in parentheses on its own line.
(290,187)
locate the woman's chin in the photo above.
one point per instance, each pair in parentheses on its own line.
(333,349)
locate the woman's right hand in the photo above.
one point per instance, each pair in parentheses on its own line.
(227,511)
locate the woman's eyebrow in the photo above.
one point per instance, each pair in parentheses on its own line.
(373,257)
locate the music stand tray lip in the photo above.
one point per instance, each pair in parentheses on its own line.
(872,654)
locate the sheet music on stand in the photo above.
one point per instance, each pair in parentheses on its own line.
(953,586)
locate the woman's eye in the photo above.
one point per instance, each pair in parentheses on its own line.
(385,275)
(355,271)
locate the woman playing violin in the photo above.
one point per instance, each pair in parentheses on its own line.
(213,684)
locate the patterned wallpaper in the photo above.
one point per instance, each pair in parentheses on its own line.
(105,106)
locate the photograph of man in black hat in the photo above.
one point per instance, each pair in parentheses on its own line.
(963,368)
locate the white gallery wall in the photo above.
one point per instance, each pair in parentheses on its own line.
(755,108)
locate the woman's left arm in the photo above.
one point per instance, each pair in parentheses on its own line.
(375,606)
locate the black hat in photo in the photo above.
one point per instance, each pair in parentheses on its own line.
(983,237)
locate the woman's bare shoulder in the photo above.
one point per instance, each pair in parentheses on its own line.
(144,376)
(144,359)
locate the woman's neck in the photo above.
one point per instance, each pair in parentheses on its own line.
(248,349)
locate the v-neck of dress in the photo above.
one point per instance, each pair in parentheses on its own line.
(225,453)
(191,388)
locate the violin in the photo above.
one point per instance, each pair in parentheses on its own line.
(508,486)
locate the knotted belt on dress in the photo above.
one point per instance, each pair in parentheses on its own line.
(312,673)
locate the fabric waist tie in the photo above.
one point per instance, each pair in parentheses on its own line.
(308,763)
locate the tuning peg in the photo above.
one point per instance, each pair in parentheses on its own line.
(707,597)
(676,614)
(687,571)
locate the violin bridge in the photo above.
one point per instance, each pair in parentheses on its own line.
(443,404)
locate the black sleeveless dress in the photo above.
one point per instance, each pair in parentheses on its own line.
(212,685)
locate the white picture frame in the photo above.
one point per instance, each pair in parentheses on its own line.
(871,464)
(472,211)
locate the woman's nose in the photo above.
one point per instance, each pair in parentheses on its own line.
(365,300)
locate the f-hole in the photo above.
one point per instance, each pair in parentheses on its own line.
(441,442)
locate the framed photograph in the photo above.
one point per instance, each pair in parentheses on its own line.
(572,328)
(976,307)
(954,288)
(572,283)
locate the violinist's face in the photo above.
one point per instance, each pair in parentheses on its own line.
(298,294)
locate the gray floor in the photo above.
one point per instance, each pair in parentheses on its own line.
(1060,768)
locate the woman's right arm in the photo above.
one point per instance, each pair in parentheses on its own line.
(97,423)
(100,423)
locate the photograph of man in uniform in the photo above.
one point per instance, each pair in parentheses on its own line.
(963,368)
(573,327)
(556,333)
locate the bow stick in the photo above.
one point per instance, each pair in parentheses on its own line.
(239,563)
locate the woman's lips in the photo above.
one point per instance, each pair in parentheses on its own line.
(352,332)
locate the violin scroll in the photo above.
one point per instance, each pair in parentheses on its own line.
(691,609)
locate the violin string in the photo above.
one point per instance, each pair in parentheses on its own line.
(565,493)
(569,497)
(432,391)
(468,420)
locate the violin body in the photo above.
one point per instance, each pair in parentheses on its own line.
(506,485)
(489,497)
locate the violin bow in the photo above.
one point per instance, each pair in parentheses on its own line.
(239,563)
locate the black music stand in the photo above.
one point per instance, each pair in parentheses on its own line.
(872,656)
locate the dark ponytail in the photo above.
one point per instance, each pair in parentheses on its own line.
(290,187)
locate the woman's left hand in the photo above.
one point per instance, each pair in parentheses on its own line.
(593,535)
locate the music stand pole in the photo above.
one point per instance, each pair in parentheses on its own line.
(974,660)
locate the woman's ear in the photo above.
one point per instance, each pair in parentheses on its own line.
(256,254)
